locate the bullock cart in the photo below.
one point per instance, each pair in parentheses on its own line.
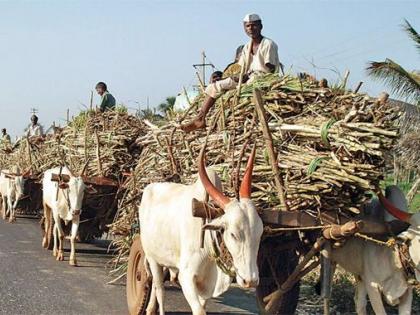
(98,208)
(320,155)
(285,255)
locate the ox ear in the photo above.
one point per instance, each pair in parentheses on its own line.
(91,190)
(63,185)
(215,225)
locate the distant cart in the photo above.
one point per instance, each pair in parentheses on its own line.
(98,208)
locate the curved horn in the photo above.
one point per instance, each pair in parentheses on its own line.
(399,214)
(245,190)
(214,193)
(82,173)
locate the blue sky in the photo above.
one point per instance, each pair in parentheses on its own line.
(52,53)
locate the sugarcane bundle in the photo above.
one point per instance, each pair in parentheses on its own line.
(329,143)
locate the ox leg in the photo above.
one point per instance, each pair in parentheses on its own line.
(404,308)
(151,306)
(9,208)
(55,236)
(157,274)
(59,233)
(190,291)
(360,300)
(74,228)
(4,206)
(47,224)
(375,298)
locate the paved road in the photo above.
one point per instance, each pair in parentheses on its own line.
(32,282)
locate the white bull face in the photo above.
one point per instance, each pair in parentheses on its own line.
(242,229)
(76,192)
(19,183)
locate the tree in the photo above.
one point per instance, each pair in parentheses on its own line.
(403,83)
(148,113)
(168,105)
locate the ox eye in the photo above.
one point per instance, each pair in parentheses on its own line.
(233,236)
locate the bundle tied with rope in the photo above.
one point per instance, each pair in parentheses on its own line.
(325,148)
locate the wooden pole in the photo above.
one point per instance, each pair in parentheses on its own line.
(91,100)
(98,154)
(299,271)
(270,147)
(326,276)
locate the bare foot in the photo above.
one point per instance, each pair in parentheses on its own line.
(197,123)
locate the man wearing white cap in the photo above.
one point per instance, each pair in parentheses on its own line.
(259,56)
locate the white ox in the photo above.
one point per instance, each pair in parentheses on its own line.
(171,237)
(11,190)
(64,198)
(378,269)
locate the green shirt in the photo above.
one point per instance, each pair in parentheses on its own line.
(107,102)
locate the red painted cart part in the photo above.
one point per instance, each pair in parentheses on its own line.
(399,214)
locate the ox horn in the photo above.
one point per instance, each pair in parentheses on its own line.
(245,190)
(214,193)
(82,173)
(399,214)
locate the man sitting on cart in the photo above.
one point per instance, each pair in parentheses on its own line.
(259,56)
(35,132)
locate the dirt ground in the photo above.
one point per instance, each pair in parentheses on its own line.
(342,296)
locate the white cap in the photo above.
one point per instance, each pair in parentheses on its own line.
(252,18)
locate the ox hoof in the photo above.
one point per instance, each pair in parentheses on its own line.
(55,252)
(44,242)
(60,255)
(73,262)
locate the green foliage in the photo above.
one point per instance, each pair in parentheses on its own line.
(405,187)
(168,105)
(403,83)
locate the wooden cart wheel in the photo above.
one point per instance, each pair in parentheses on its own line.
(274,268)
(138,284)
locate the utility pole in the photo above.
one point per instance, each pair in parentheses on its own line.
(202,66)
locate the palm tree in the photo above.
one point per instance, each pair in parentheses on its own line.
(403,83)
(168,105)
(150,114)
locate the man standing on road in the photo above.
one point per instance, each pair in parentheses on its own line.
(107,100)
(259,56)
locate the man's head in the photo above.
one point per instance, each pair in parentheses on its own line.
(101,88)
(253,25)
(34,119)
(3,131)
(216,76)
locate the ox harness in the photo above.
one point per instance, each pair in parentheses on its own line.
(407,263)
(219,252)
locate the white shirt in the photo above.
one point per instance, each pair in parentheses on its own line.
(267,52)
(34,131)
